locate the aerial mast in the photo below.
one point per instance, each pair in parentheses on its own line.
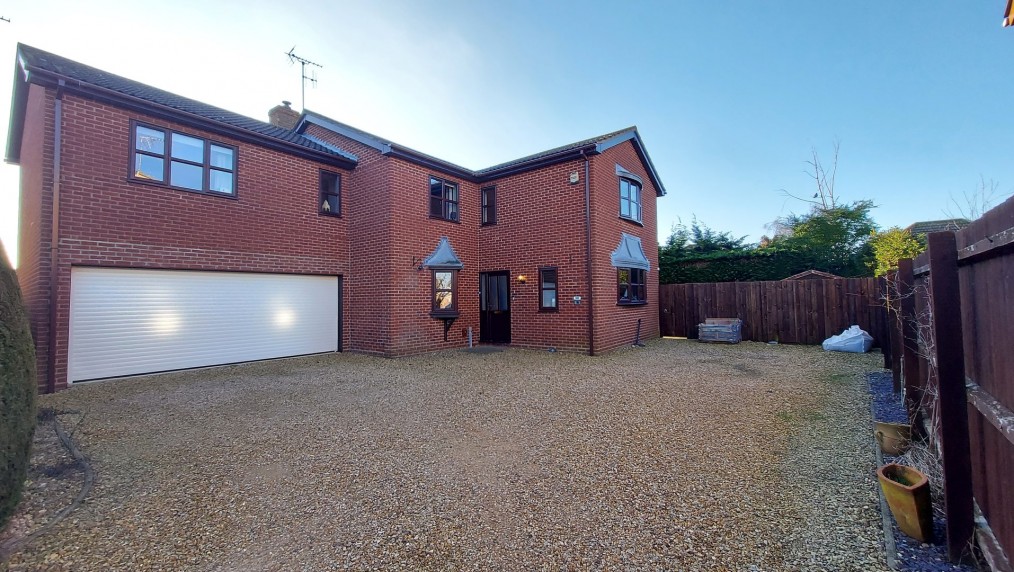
(303,62)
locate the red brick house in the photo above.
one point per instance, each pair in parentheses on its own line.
(161,233)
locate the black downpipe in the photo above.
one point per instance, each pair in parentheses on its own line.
(54,241)
(588,255)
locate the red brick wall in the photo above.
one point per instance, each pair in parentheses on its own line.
(415,236)
(540,222)
(390,234)
(35,227)
(615,325)
(367,210)
(272,225)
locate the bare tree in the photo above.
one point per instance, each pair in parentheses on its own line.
(824,198)
(973,204)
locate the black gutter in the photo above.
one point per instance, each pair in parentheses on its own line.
(54,240)
(588,255)
(423,160)
(166,112)
(545,161)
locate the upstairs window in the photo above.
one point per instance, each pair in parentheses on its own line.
(630,286)
(489,205)
(547,290)
(182,161)
(330,194)
(443,199)
(630,199)
(445,301)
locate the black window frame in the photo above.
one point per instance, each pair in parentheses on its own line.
(488,202)
(335,191)
(631,201)
(168,160)
(435,309)
(631,286)
(450,208)
(543,289)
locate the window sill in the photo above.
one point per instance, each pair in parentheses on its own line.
(332,215)
(549,310)
(160,185)
(444,314)
(638,303)
(632,221)
(440,218)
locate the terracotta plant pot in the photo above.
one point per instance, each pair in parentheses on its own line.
(908,494)
(892,437)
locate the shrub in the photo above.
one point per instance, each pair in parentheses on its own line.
(17,391)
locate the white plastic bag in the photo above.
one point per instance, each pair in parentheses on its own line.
(853,340)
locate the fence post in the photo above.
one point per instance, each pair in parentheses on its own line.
(893,329)
(950,362)
(909,339)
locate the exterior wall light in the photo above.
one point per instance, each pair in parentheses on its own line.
(522,278)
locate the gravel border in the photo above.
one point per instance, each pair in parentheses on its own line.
(49,467)
(909,555)
(677,455)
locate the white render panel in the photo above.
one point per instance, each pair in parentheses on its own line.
(133,321)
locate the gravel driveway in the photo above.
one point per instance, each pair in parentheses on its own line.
(679,455)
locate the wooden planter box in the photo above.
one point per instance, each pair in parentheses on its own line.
(721,330)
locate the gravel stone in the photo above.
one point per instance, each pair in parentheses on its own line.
(679,455)
(913,555)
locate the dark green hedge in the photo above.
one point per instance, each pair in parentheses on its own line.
(17,391)
(759,264)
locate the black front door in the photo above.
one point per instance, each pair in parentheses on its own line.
(494,307)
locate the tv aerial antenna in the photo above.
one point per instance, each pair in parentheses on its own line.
(303,62)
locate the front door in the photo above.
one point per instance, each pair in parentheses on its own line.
(494,307)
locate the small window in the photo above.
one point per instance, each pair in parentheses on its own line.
(445,301)
(443,199)
(489,205)
(630,200)
(630,286)
(182,161)
(547,290)
(330,193)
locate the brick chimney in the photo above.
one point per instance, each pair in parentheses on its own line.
(283,116)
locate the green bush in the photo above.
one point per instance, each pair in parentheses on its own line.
(751,265)
(17,391)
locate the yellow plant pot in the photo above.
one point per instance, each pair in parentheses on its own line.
(907,492)
(892,437)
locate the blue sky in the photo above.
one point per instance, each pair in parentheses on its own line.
(729,97)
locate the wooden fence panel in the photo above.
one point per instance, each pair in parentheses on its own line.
(789,311)
(985,299)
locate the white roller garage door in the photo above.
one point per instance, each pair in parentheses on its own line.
(130,321)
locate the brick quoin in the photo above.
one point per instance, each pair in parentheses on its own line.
(377,246)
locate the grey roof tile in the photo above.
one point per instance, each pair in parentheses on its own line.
(928,226)
(42,60)
(555,150)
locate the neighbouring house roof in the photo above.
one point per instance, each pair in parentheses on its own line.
(928,226)
(812,275)
(586,147)
(443,256)
(37,66)
(629,254)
